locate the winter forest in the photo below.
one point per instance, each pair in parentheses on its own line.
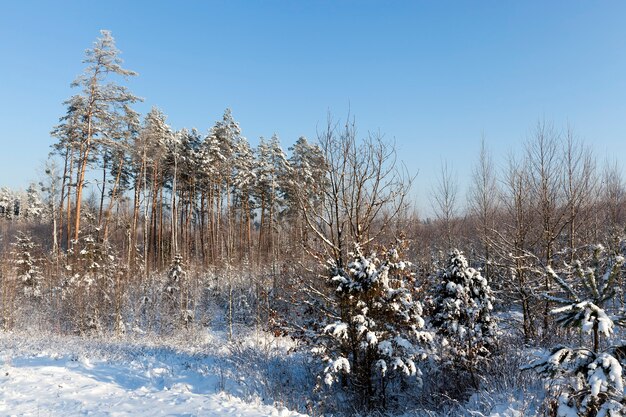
(299,278)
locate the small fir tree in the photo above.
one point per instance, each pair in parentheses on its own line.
(462,315)
(9,204)
(174,292)
(93,286)
(589,382)
(378,337)
(28,271)
(34,207)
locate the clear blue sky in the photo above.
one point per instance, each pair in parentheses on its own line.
(433,75)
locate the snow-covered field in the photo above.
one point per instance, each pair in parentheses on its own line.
(54,376)
(198,373)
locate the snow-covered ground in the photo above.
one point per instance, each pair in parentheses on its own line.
(198,373)
(54,376)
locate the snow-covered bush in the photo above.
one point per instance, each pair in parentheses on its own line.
(9,204)
(377,339)
(587,381)
(175,294)
(29,274)
(34,208)
(462,316)
(93,288)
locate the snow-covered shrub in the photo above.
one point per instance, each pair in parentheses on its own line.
(93,288)
(462,316)
(9,204)
(175,276)
(34,208)
(175,294)
(377,339)
(29,274)
(588,381)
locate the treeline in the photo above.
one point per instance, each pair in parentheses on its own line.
(211,198)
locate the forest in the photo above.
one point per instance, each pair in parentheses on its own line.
(511,293)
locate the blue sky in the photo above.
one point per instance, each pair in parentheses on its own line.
(431,75)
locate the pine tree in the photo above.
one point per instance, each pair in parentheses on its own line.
(97,109)
(304,186)
(188,190)
(34,207)
(93,288)
(308,174)
(50,185)
(174,148)
(29,273)
(244,178)
(175,294)
(216,170)
(118,154)
(8,201)
(153,138)
(68,134)
(378,338)
(593,379)
(462,315)
(272,172)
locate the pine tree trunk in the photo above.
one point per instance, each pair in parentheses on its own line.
(261,229)
(102,192)
(69,202)
(84,155)
(154,219)
(202,227)
(64,184)
(79,190)
(174,239)
(160,240)
(113,199)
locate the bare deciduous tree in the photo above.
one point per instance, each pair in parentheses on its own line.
(482,202)
(512,239)
(362,181)
(580,186)
(444,202)
(614,197)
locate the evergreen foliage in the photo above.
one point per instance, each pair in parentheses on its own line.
(590,380)
(462,316)
(29,273)
(379,337)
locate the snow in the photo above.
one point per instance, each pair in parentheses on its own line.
(141,382)
(564,410)
(338,329)
(43,386)
(397,363)
(382,365)
(506,410)
(590,316)
(402,342)
(385,348)
(339,365)
(605,324)
(599,379)
(371,338)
